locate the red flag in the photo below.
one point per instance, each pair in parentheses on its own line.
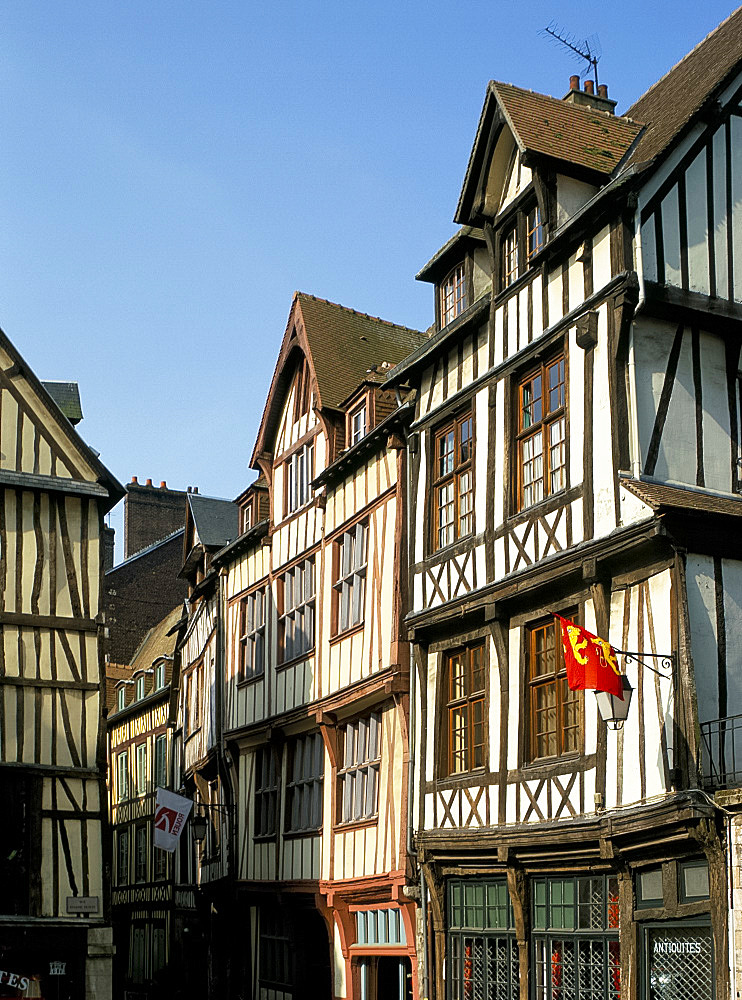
(590,661)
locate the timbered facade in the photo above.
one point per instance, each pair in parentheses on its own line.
(575,448)
(317,672)
(140,762)
(54,492)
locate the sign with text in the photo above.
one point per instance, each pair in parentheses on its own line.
(83,904)
(57,968)
(171,813)
(14,979)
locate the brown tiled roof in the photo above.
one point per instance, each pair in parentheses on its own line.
(345,344)
(574,133)
(661,496)
(157,642)
(115,672)
(670,103)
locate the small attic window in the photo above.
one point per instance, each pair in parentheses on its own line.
(453,295)
(159,676)
(534,232)
(357,423)
(246,519)
(139,689)
(120,698)
(302,391)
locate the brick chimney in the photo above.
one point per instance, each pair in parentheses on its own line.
(151,513)
(588,97)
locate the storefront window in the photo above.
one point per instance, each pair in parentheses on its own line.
(575,938)
(678,962)
(482,950)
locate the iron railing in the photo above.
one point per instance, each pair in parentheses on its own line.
(722,751)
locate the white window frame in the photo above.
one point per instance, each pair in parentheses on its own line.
(350,577)
(252,635)
(159,677)
(358,423)
(296,620)
(304,786)
(358,797)
(121,698)
(160,761)
(298,475)
(122,775)
(122,855)
(141,769)
(139,688)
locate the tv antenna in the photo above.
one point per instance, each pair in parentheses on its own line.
(587,49)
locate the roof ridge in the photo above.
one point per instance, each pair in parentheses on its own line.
(562,103)
(686,56)
(356,312)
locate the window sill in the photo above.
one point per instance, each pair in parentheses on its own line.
(545,506)
(296,660)
(297,834)
(563,764)
(472,777)
(347,826)
(265,838)
(454,548)
(339,636)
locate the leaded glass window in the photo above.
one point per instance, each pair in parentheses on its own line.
(482,948)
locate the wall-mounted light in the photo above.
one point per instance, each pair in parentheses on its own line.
(199,825)
(614,710)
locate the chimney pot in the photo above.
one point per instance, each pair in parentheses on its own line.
(134,479)
(163,485)
(574,82)
(188,489)
(603,90)
(589,86)
(148,483)
(195,489)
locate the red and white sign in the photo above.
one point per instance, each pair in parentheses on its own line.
(171,813)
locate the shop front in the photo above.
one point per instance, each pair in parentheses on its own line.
(43,962)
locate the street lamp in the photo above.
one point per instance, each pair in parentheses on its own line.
(613,710)
(199,825)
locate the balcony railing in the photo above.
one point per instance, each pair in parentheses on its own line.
(722,752)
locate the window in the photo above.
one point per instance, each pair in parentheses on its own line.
(510,257)
(358,424)
(542,433)
(251,656)
(120,698)
(534,232)
(349,587)
(482,946)
(649,890)
(453,482)
(139,690)
(554,712)
(575,938)
(122,858)
(299,472)
(302,397)
(141,774)
(359,775)
(694,881)
(296,616)
(465,715)
(304,788)
(276,954)
(192,700)
(160,863)
(159,947)
(159,676)
(140,854)
(246,518)
(266,792)
(161,761)
(122,775)
(453,295)
(138,953)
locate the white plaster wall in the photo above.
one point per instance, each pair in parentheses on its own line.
(571,196)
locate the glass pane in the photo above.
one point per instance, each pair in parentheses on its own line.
(457,674)
(446,453)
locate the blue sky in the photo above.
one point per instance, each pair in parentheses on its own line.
(172,171)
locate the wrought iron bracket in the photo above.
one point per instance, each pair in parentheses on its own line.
(666,661)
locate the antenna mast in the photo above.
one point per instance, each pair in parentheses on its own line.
(580,47)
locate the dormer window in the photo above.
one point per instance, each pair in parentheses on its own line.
(120,698)
(358,422)
(521,239)
(453,295)
(303,391)
(246,518)
(159,676)
(139,689)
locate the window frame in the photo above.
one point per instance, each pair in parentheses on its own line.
(140,774)
(450,705)
(349,582)
(353,435)
(252,635)
(305,784)
(300,611)
(469,942)
(302,390)
(541,428)
(298,473)
(140,853)
(160,761)
(453,476)
(122,856)
(558,678)
(159,676)
(453,294)
(122,771)
(140,683)
(354,773)
(121,697)
(265,793)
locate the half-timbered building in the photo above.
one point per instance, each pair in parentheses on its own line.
(315,705)
(54,492)
(576,449)
(203,890)
(140,762)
